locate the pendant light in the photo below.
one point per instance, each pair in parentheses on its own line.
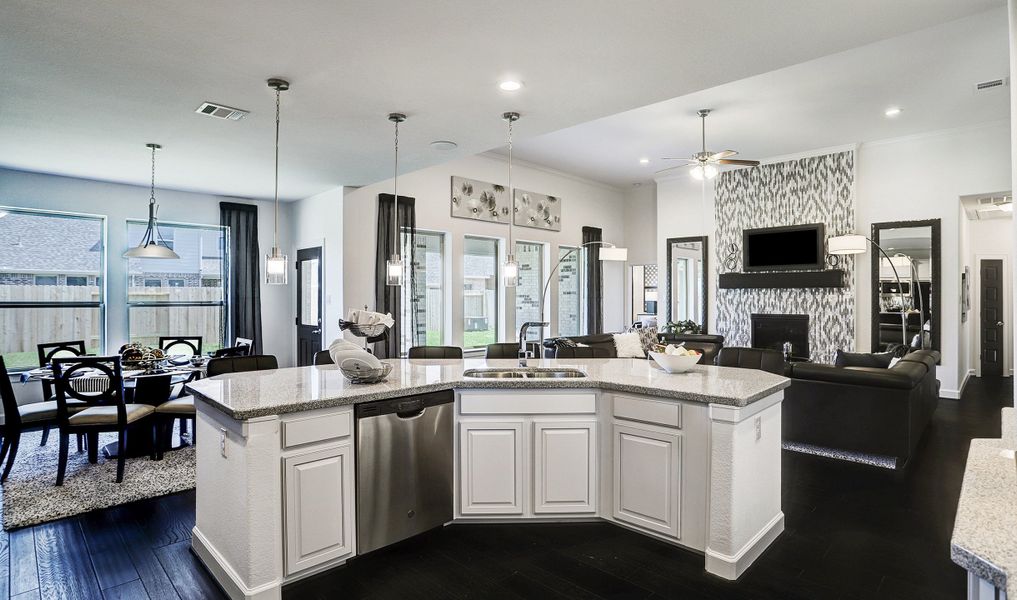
(152,245)
(276,262)
(394,266)
(510,270)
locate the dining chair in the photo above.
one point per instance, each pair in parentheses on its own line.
(37,416)
(104,411)
(322,357)
(156,390)
(246,343)
(47,352)
(183,345)
(241,364)
(510,350)
(231,351)
(435,352)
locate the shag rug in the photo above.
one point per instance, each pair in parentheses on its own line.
(30,495)
(873,460)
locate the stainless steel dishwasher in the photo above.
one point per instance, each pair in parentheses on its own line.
(404,468)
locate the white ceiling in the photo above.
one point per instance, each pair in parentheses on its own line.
(87,84)
(831,101)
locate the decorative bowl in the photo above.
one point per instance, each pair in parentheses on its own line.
(355,371)
(672,363)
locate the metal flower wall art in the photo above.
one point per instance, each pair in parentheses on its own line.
(539,211)
(479,200)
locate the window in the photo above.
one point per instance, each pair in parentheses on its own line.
(531,285)
(76,281)
(570,278)
(169,296)
(423,290)
(480,292)
(35,308)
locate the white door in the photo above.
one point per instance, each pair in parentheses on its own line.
(491,467)
(647,464)
(565,466)
(319,507)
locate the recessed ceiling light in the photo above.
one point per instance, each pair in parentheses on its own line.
(893,111)
(444,145)
(644,161)
(510,85)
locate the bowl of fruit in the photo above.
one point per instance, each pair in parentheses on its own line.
(675,359)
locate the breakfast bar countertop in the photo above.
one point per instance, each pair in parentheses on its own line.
(264,393)
(984,539)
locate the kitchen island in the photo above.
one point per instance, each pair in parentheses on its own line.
(692,459)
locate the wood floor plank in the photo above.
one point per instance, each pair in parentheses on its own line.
(187,574)
(24,570)
(133,590)
(29,595)
(153,576)
(65,571)
(110,559)
(5,565)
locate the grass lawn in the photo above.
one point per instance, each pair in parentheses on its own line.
(478,339)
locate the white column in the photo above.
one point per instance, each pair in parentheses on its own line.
(745,477)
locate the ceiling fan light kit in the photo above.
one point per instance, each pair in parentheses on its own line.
(704,163)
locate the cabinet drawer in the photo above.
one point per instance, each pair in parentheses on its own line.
(320,428)
(527,402)
(647,410)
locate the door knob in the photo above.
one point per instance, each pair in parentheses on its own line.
(319,331)
(999,324)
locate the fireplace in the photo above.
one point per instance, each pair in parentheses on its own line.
(772,331)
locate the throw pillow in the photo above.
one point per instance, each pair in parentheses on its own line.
(564,343)
(879,360)
(628,345)
(894,360)
(647,337)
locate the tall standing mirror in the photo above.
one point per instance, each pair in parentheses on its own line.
(687,289)
(906,285)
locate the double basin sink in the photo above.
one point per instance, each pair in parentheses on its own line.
(523,373)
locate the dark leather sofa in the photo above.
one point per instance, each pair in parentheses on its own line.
(862,409)
(602,346)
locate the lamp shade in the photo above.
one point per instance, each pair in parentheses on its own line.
(847,244)
(150,250)
(613,253)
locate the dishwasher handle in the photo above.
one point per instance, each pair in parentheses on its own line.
(408,409)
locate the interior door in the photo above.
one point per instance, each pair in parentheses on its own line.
(991,317)
(309,305)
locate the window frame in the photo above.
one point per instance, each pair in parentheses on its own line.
(499,300)
(101,274)
(445,280)
(543,268)
(578,251)
(225,327)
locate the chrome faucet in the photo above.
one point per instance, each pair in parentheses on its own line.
(523,352)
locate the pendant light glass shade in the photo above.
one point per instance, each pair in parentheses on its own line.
(394,270)
(152,245)
(276,262)
(276,267)
(394,265)
(510,272)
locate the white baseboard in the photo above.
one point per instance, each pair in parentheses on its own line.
(732,567)
(956,394)
(228,579)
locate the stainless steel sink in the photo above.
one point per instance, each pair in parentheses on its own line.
(523,373)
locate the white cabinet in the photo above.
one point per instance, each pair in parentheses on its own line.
(565,466)
(647,475)
(319,506)
(491,467)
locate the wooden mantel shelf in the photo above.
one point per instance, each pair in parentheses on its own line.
(830,278)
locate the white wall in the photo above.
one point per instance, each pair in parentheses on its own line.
(584,203)
(640,235)
(923,177)
(318,221)
(118,203)
(987,239)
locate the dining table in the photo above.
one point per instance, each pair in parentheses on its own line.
(139,434)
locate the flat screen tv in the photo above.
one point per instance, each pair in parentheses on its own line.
(793,248)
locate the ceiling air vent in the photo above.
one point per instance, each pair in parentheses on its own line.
(221,112)
(992,84)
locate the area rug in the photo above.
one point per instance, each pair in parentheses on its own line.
(30,496)
(873,460)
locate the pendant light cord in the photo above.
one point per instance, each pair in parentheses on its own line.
(275,235)
(151,199)
(395,195)
(511,200)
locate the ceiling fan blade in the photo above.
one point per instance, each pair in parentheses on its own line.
(722,154)
(738,161)
(677,158)
(670,169)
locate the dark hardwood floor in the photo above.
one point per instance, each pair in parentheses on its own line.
(852,532)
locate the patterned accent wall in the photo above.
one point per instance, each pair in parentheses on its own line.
(817,189)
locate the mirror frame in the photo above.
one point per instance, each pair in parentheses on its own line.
(705,241)
(937,279)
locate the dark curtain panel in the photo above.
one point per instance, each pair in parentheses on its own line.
(594,281)
(243,272)
(388,299)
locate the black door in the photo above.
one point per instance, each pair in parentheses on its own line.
(309,290)
(991,318)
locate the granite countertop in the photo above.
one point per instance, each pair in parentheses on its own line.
(264,393)
(985,531)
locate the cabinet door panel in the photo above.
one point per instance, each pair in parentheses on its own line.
(646,478)
(319,507)
(491,467)
(565,471)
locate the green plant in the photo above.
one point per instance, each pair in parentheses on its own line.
(686,326)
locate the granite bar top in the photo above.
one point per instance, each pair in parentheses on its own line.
(985,531)
(279,391)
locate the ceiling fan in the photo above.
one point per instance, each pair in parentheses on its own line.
(704,163)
